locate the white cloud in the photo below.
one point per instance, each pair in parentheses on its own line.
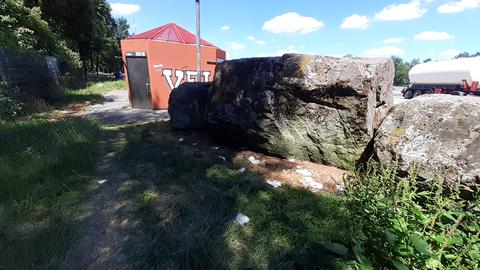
(225,28)
(355,22)
(451,53)
(236,46)
(124,9)
(290,49)
(433,35)
(458,6)
(394,40)
(402,12)
(385,51)
(259,42)
(292,22)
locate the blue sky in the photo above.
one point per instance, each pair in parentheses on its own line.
(436,29)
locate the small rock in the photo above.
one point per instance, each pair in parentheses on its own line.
(285,171)
(181,140)
(194,144)
(241,219)
(274,183)
(291,160)
(242,170)
(254,161)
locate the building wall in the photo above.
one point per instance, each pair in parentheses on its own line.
(34,76)
(171,64)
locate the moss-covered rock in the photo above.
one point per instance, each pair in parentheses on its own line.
(316,108)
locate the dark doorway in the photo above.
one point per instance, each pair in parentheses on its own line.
(139,82)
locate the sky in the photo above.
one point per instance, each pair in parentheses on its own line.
(436,29)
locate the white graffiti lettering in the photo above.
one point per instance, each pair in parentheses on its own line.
(191,76)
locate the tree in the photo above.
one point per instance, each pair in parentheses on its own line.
(402,69)
(23,29)
(467,55)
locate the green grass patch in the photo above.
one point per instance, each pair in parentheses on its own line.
(45,171)
(94,90)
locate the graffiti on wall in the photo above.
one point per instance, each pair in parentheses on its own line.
(176,77)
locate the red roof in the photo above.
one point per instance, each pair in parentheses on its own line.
(172,33)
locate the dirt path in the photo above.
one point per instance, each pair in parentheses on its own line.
(109,227)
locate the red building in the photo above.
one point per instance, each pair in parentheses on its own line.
(161,59)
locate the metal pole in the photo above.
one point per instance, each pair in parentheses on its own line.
(199,45)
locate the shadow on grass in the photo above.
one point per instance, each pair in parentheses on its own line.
(45,169)
(187,203)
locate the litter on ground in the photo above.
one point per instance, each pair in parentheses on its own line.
(253,160)
(308,182)
(194,144)
(304,172)
(101,182)
(291,160)
(274,183)
(340,188)
(241,219)
(222,158)
(181,140)
(242,170)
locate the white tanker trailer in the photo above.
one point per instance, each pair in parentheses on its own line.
(458,77)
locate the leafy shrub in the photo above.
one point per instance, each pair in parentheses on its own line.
(404,227)
(10,104)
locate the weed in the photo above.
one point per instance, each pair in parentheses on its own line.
(404,227)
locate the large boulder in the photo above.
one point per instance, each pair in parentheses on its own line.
(317,108)
(187,105)
(439,134)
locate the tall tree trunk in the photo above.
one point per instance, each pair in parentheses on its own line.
(97,67)
(85,71)
(91,63)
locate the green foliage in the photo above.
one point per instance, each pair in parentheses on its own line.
(402,68)
(10,104)
(22,29)
(467,55)
(404,227)
(45,169)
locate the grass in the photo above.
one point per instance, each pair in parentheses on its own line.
(187,203)
(94,90)
(45,171)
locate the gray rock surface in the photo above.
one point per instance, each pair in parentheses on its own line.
(317,108)
(438,133)
(187,105)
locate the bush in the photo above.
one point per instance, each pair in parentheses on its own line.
(404,227)
(10,104)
